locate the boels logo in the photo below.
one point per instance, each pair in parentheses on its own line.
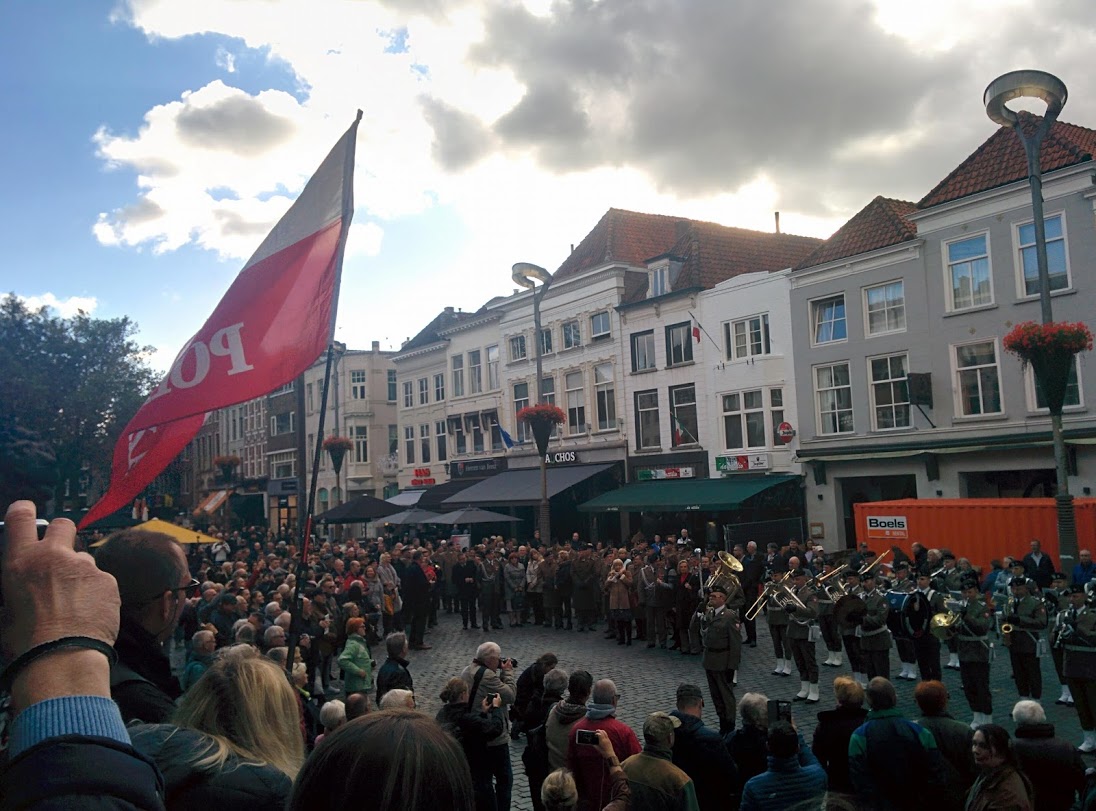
(887,526)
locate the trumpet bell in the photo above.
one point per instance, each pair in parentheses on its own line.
(727,573)
(943,625)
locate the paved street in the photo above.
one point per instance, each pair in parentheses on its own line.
(647,679)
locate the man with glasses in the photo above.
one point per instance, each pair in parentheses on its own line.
(154,583)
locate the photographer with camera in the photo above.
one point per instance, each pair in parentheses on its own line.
(593,780)
(473,727)
(489,674)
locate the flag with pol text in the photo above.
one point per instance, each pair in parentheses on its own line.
(272,323)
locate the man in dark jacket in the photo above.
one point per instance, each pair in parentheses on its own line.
(953,737)
(753,572)
(1038,565)
(656,783)
(465,581)
(415,589)
(394,673)
(154,582)
(584,574)
(700,753)
(1054,767)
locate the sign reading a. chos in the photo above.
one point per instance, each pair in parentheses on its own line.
(887,527)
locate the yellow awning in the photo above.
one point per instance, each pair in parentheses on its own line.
(180,534)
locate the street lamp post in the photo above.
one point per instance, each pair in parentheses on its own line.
(527,275)
(1052,91)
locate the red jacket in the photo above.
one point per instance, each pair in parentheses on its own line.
(595,786)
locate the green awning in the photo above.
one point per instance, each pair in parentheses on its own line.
(684,494)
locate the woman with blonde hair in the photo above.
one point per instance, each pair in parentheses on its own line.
(235,737)
(618,585)
(559,793)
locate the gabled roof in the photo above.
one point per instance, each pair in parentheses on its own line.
(709,253)
(430,333)
(879,224)
(1000,159)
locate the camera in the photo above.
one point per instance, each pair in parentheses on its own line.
(779,711)
(586,737)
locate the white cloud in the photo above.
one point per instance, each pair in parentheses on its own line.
(226,60)
(64,307)
(364,239)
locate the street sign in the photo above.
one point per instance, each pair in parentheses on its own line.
(785,433)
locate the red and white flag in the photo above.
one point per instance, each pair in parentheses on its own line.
(271,325)
(696,330)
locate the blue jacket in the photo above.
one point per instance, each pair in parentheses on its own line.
(1082,574)
(885,739)
(699,751)
(790,783)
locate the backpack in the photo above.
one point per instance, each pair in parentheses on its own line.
(535,756)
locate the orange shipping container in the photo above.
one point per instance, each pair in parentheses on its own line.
(980,529)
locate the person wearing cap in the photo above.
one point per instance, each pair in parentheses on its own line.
(831,636)
(1028,617)
(850,626)
(802,633)
(699,751)
(722,654)
(875,636)
(926,647)
(1077,637)
(903,583)
(777,620)
(1056,601)
(656,783)
(974,652)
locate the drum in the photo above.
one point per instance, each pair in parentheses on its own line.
(909,615)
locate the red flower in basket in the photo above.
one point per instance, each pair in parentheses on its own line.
(338,443)
(542,412)
(1030,340)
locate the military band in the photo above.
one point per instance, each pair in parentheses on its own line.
(1021,632)
(722,654)
(1077,636)
(1056,600)
(875,636)
(802,634)
(975,650)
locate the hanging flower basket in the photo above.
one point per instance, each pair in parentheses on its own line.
(1050,349)
(336,447)
(541,419)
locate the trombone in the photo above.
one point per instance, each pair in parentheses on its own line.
(780,591)
(869,566)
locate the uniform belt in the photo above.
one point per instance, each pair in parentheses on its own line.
(963,638)
(873,633)
(717,650)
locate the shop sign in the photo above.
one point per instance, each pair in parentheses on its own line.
(423,476)
(561,458)
(647,474)
(476,467)
(279,487)
(887,527)
(739,464)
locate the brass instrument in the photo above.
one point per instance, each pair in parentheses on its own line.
(1006,627)
(834,591)
(869,566)
(780,592)
(727,574)
(938,572)
(945,625)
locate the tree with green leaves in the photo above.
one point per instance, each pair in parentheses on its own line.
(69,387)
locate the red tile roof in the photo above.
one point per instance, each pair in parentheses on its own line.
(1000,159)
(879,224)
(712,253)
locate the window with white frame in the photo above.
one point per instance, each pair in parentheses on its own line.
(360,435)
(308,398)
(683,418)
(439,387)
(517,348)
(647,422)
(679,344)
(521,400)
(747,337)
(576,403)
(890,394)
(393,439)
(969,283)
(660,281)
(978,382)
(572,335)
(744,420)
(477,436)
(424,390)
(1037,401)
(599,325)
(833,398)
(357,385)
(493,368)
(1057,263)
(605,396)
(828,322)
(885,308)
(283,423)
(546,341)
(424,443)
(391,385)
(475,372)
(776,415)
(458,375)
(283,465)
(441,440)
(643,351)
(409,444)
(408,394)
(460,438)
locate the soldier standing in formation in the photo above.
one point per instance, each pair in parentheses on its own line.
(1028,617)
(975,652)
(952,580)
(1078,638)
(802,632)
(722,654)
(1057,603)
(927,647)
(850,630)
(906,652)
(778,630)
(875,636)
(831,634)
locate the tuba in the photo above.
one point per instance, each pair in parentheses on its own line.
(727,574)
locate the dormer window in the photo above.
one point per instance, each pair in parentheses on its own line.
(660,281)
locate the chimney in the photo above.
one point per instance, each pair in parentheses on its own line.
(449,310)
(777,214)
(376,346)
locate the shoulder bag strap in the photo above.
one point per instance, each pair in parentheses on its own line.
(475,686)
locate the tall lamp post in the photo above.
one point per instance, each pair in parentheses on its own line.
(1052,91)
(526,274)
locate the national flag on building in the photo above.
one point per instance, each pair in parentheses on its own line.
(681,433)
(696,330)
(272,323)
(507,440)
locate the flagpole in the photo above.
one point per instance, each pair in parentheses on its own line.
(710,338)
(297,604)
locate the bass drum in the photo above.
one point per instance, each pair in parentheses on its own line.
(849,610)
(910,614)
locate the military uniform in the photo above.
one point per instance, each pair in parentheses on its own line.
(926,647)
(974,657)
(1079,665)
(1056,602)
(1028,618)
(875,636)
(831,635)
(722,654)
(489,596)
(851,638)
(952,580)
(907,655)
(778,630)
(801,638)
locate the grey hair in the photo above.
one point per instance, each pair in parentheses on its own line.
(396,700)
(273,609)
(754,708)
(332,714)
(1028,712)
(394,644)
(604,692)
(202,636)
(271,632)
(558,792)
(555,680)
(487,649)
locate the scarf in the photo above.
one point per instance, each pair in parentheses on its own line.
(599,712)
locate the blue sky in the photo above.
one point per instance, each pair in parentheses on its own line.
(494,132)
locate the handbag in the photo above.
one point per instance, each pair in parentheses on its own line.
(389,604)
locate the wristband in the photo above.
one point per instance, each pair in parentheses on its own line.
(7,676)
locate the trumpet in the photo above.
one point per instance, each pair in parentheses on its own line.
(780,592)
(869,566)
(1007,627)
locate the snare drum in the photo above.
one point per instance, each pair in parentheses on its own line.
(909,615)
